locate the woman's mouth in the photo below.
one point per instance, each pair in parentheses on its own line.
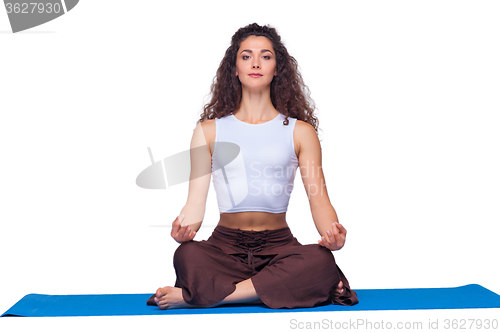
(255,75)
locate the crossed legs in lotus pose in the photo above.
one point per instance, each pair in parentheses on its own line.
(171,297)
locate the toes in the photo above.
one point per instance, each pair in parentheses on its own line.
(162,304)
(161,297)
(171,298)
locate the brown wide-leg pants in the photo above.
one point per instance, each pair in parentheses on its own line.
(285,273)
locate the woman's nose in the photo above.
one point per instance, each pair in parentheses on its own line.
(255,65)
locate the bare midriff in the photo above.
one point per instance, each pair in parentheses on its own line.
(254,221)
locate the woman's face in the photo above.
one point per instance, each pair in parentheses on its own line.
(256,62)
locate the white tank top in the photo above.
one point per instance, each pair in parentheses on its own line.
(261,176)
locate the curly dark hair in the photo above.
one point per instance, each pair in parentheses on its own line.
(289,95)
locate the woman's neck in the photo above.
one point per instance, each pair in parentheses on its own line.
(256,107)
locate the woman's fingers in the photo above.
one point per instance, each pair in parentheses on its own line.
(330,238)
(335,238)
(181,233)
(340,288)
(188,233)
(339,235)
(325,242)
(181,218)
(184,233)
(177,230)
(341,228)
(175,227)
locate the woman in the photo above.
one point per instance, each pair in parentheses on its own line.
(259,107)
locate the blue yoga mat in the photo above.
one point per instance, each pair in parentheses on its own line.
(469,296)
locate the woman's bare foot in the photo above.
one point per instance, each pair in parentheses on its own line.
(170,298)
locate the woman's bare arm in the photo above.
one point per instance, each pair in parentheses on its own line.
(310,164)
(193,212)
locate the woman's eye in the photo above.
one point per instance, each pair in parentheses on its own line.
(267,57)
(245,57)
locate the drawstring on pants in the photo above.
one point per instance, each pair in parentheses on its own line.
(252,243)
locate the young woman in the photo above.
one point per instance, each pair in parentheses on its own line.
(259,113)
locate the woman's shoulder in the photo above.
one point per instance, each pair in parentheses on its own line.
(208,129)
(303,128)
(304,135)
(208,123)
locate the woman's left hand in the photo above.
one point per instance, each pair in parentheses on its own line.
(335,238)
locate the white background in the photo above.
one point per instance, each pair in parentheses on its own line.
(408,101)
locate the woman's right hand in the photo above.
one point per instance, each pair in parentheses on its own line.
(181,234)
